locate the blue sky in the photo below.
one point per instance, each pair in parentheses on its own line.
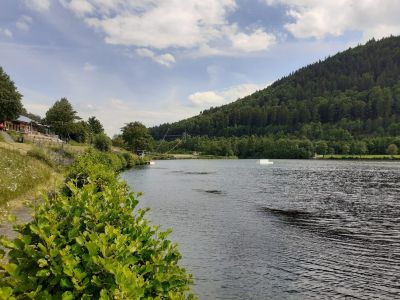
(159,61)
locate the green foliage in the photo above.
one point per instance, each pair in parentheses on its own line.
(136,136)
(392,149)
(118,141)
(92,243)
(10,98)
(98,166)
(131,159)
(79,132)
(61,117)
(95,126)
(102,142)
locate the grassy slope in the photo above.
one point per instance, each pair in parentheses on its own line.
(20,174)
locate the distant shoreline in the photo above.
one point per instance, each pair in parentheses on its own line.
(358,157)
(378,157)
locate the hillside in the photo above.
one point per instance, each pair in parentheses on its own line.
(354,94)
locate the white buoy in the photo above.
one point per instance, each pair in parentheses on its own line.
(265,162)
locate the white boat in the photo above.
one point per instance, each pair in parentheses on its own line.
(265,162)
(152,162)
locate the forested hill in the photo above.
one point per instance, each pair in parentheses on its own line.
(354,94)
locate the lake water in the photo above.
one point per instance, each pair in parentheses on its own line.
(298,229)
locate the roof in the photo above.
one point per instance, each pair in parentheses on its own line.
(24,119)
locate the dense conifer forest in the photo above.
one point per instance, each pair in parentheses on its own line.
(347,104)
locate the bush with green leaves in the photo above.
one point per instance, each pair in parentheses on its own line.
(131,159)
(95,166)
(102,142)
(92,243)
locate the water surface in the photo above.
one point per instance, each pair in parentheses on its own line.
(299,229)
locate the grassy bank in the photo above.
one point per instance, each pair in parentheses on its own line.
(360,157)
(20,174)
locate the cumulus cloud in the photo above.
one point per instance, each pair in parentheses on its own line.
(38,5)
(171,24)
(166,59)
(212,98)
(24,23)
(258,40)
(6,32)
(315,18)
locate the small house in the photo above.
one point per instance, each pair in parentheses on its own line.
(21,124)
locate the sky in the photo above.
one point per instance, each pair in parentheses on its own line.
(158,61)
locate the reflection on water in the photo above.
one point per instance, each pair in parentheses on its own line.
(294,230)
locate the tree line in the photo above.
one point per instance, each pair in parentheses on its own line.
(280,146)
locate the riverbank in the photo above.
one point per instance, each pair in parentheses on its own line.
(359,157)
(158,156)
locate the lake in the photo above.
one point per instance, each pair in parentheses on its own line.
(298,229)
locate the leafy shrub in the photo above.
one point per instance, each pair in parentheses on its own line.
(100,167)
(40,154)
(102,142)
(131,159)
(392,149)
(89,244)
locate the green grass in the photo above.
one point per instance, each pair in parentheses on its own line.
(363,156)
(20,174)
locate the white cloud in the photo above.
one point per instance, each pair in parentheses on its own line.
(38,5)
(6,32)
(206,98)
(194,25)
(24,23)
(212,98)
(166,59)
(258,40)
(79,7)
(315,18)
(88,67)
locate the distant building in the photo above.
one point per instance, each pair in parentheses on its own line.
(32,129)
(22,124)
